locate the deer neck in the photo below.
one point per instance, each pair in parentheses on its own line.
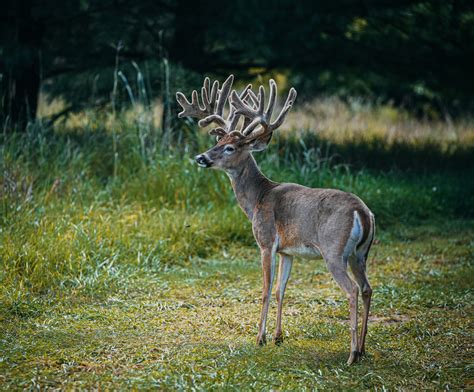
(250,185)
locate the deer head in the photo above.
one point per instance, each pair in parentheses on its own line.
(234,144)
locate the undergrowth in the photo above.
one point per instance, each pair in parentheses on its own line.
(73,216)
(125,265)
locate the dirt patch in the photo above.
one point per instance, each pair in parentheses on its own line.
(389,320)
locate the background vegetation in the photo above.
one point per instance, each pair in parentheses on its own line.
(124,265)
(418,54)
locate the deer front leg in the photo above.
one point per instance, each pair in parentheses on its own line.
(268,268)
(284,271)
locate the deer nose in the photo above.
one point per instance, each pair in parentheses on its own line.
(203,161)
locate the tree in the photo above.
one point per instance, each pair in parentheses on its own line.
(412,52)
(49,40)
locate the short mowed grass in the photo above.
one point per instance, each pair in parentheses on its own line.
(125,266)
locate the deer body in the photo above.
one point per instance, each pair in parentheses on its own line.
(288,219)
(306,220)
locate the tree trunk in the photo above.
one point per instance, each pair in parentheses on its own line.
(21,65)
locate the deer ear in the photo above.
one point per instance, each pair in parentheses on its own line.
(260,144)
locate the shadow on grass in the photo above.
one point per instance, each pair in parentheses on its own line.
(377,154)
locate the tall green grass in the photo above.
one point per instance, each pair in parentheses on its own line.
(84,209)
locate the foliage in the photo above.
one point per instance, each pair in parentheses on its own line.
(83,206)
(416,53)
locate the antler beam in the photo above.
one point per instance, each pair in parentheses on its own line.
(211,107)
(258,115)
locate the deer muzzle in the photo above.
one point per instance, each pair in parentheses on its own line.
(203,160)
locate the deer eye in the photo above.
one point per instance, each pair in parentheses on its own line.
(229,149)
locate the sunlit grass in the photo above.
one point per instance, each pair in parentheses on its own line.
(194,326)
(334,120)
(359,120)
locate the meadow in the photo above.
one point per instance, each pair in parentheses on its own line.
(124,265)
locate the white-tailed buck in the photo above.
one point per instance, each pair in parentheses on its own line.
(288,219)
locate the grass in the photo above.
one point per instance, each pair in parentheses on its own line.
(123,265)
(194,326)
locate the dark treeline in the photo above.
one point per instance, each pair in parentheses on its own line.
(418,54)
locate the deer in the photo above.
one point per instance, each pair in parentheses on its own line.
(287,219)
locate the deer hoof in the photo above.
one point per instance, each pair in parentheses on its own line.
(261,340)
(354,357)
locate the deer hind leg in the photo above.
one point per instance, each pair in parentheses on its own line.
(284,271)
(358,268)
(268,268)
(338,268)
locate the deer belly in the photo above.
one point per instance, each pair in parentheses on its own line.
(305,252)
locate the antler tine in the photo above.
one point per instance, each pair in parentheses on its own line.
(272,99)
(240,107)
(233,118)
(261,100)
(211,106)
(286,108)
(253,97)
(220,104)
(255,113)
(253,101)
(219,132)
(194,108)
(209,96)
(191,109)
(252,125)
(224,94)
(212,118)
(214,90)
(251,114)
(205,95)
